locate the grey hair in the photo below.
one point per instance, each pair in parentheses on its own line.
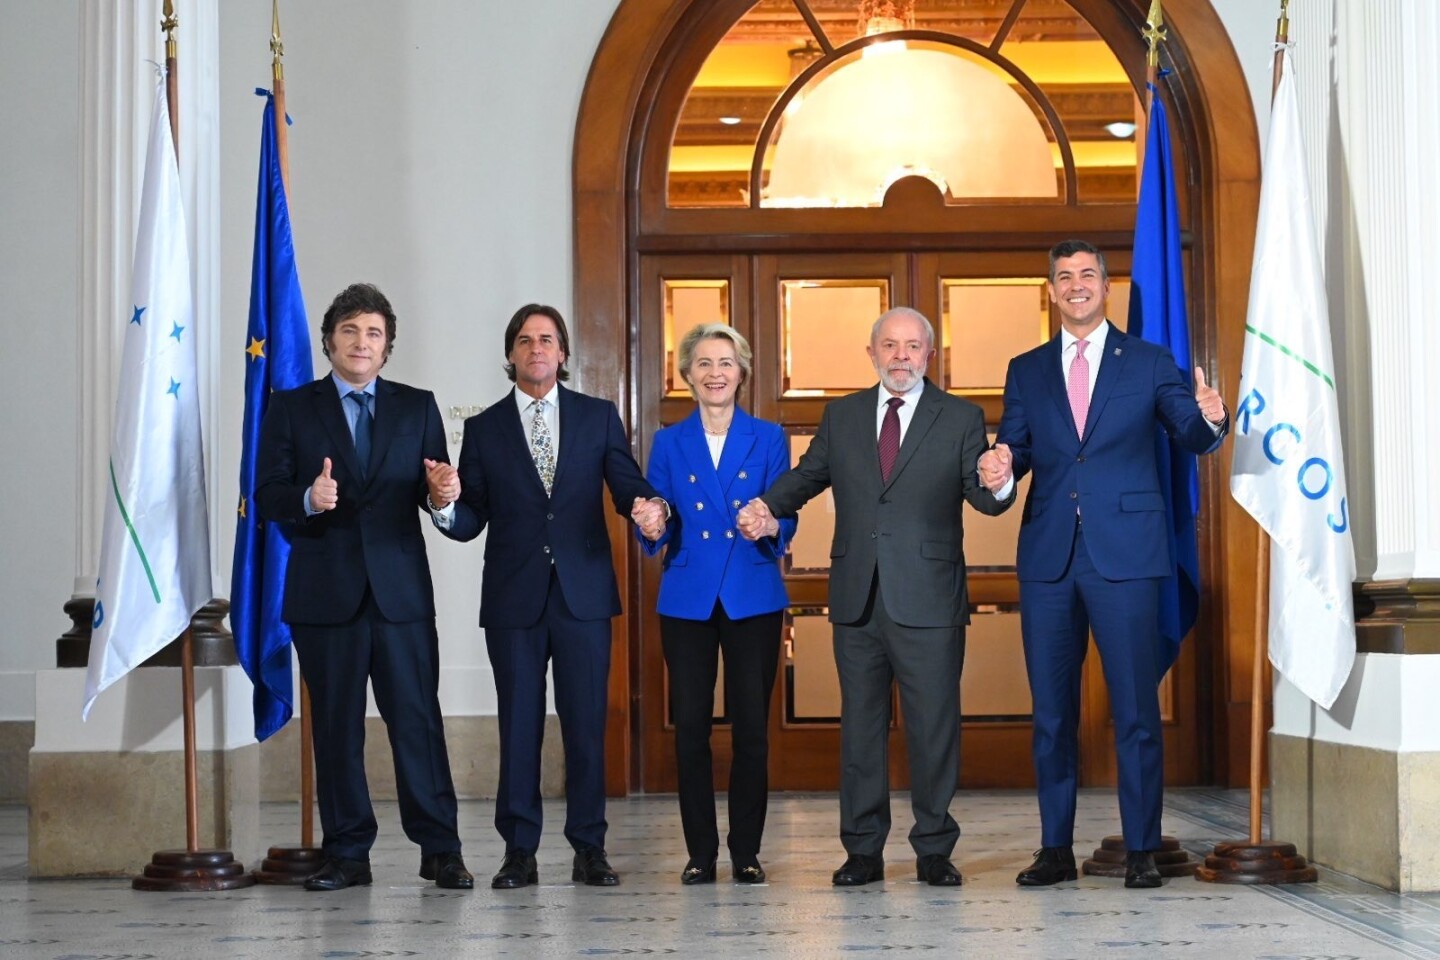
(910,312)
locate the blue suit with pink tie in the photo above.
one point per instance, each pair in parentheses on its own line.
(1093,545)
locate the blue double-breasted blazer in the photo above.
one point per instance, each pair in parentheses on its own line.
(706,558)
(1109,475)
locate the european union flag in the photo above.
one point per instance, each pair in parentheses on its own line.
(277,357)
(1157,314)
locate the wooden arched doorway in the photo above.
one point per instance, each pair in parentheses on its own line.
(631,240)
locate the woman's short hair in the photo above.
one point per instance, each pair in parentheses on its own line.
(713,331)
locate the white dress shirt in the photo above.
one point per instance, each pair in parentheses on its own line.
(525,403)
(906,411)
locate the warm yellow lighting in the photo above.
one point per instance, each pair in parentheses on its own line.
(926,112)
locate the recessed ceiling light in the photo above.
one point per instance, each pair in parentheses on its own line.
(730,121)
(1120,129)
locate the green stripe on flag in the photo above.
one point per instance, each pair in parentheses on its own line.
(1292,355)
(144,561)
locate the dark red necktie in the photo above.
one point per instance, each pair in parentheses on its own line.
(888,445)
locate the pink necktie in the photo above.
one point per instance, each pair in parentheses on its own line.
(1078,386)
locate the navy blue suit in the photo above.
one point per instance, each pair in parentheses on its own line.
(548,593)
(360,604)
(720,593)
(1093,545)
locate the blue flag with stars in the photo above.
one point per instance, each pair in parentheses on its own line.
(1157,314)
(277,357)
(155,544)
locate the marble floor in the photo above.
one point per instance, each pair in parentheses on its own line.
(797,914)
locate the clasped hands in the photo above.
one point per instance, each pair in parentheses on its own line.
(444,483)
(649,516)
(756,520)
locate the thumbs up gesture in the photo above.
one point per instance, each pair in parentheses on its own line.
(1208,398)
(324,492)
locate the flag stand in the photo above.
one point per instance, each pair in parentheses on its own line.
(191,869)
(288,864)
(1257,861)
(1171,859)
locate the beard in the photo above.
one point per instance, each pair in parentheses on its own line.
(899,379)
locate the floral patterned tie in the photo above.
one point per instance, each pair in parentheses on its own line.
(542,446)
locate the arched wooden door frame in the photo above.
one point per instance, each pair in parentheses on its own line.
(1210,101)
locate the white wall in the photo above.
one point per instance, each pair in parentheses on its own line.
(430,154)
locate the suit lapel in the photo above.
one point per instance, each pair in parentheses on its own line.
(696,452)
(387,418)
(1053,375)
(332,417)
(927,408)
(1110,371)
(513,433)
(737,447)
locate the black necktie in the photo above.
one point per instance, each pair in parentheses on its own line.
(363,422)
(888,445)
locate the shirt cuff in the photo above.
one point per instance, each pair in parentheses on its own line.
(444,517)
(309,510)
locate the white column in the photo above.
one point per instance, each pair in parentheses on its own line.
(120,42)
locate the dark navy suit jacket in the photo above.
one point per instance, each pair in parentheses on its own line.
(705,556)
(1110,473)
(500,487)
(374,535)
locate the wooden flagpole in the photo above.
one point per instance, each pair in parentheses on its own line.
(191,868)
(285,864)
(1260,861)
(1172,860)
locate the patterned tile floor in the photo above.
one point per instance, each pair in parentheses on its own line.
(797,914)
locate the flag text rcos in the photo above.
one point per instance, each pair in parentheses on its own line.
(1315,478)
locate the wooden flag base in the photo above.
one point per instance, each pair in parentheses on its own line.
(192,870)
(1269,861)
(1109,859)
(289,865)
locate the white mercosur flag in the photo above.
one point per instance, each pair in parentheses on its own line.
(155,551)
(1289,472)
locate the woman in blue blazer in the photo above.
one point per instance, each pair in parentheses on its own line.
(719,592)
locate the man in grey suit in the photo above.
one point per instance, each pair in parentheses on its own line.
(900,458)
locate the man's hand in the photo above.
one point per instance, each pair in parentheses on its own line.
(649,516)
(1211,406)
(324,492)
(757,521)
(996,467)
(444,483)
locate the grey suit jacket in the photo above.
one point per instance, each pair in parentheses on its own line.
(910,529)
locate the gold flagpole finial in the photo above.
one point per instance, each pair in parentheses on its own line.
(168,24)
(1154,32)
(277,47)
(1282,26)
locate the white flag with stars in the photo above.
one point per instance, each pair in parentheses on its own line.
(155,549)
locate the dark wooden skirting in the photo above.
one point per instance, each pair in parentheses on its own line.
(1397,616)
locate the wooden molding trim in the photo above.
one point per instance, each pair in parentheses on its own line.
(1397,616)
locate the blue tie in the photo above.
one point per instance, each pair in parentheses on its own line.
(363,422)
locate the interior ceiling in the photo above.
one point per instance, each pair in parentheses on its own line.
(979,20)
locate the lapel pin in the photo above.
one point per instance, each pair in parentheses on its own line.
(1117,351)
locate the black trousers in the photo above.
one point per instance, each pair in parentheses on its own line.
(401,662)
(751,648)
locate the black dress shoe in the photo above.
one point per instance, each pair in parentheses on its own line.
(1140,869)
(337,874)
(859,870)
(1052,865)
(937,870)
(516,870)
(593,869)
(698,871)
(750,872)
(447,870)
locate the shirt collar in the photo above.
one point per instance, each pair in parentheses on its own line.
(524,401)
(346,389)
(1098,335)
(911,396)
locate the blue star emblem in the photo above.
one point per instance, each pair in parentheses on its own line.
(136,319)
(174,390)
(176,332)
